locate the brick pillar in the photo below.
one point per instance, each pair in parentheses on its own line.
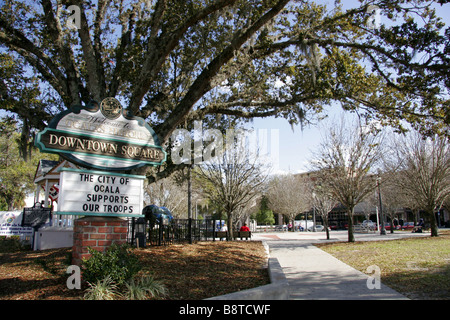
(98,233)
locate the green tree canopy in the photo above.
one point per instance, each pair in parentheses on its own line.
(21,97)
(16,175)
(172,62)
(264,215)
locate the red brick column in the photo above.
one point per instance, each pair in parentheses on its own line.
(98,233)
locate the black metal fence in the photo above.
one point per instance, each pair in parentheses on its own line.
(141,232)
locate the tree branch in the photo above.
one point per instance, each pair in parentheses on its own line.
(158,54)
(125,40)
(167,172)
(363,47)
(203,82)
(17,41)
(156,22)
(55,30)
(95,80)
(238,108)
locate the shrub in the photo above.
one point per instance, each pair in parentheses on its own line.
(104,289)
(137,288)
(11,244)
(118,263)
(144,287)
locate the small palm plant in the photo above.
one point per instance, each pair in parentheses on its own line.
(143,288)
(137,288)
(104,289)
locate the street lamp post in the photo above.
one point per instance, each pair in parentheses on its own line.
(382,228)
(189,206)
(314,212)
(314,219)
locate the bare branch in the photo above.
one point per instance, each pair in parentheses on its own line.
(344,164)
(235,179)
(424,166)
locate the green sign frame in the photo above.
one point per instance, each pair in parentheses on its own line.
(102,137)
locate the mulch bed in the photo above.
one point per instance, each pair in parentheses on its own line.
(196,271)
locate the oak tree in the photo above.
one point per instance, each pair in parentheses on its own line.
(172,62)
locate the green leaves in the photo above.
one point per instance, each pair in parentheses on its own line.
(174,62)
(118,263)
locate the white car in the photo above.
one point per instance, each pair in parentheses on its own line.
(319,228)
(368,223)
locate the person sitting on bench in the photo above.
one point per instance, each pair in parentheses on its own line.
(244,228)
(419,227)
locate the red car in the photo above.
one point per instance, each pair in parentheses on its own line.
(387,226)
(408,226)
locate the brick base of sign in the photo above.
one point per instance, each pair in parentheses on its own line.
(98,233)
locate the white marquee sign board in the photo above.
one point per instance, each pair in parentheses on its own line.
(97,193)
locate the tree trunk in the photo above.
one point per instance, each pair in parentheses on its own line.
(434,228)
(433,222)
(230,226)
(351,237)
(325,224)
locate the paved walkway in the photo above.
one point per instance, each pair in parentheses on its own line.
(312,273)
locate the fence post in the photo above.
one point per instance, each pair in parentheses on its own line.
(160,231)
(132,230)
(190,230)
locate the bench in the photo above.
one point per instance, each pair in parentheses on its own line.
(243,234)
(237,234)
(221,234)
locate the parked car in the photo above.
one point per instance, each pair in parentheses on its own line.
(387,226)
(333,226)
(368,223)
(318,228)
(408,226)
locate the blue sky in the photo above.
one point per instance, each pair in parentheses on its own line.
(295,146)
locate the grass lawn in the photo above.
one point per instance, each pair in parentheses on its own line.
(196,271)
(418,268)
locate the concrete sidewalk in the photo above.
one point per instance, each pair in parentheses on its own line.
(301,271)
(313,274)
